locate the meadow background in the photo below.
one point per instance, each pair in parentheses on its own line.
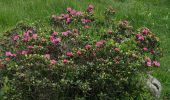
(154,14)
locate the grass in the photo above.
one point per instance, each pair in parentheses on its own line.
(153,14)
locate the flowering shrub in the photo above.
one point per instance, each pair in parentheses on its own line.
(77,57)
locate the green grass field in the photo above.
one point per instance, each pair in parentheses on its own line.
(154,14)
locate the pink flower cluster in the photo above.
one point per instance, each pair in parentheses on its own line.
(88,47)
(28,35)
(71,14)
(67,33)
(90,8)
(74,12)
(150,63)
(16,37)
(140,37)
(9,54)
(100,43)
(53,38)
(145,31)
(69,54)
(85,21)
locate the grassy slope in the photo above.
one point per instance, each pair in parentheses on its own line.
(150,13)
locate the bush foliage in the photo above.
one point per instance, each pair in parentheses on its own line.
(77,56)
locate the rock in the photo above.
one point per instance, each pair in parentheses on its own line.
(154,86)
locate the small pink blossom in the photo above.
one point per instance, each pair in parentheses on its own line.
(65,34)
(34,36)
(156,63)
(140,37)
(145,31)
(145,49)
(79,52)
(26,36)
(100,43)
(88,47)
(68,20)
(55,33)
(149,64)
(16,37)
(69,54)
(79,13)
(30,47)
(90,8)
(69,9)
(63,16)
(53,62)
(65,61)
(85,21)
(73,12)
(9,54)
(55,40)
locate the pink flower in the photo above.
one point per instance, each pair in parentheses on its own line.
(69,9)
(140,37)
(26,36)
(24,52)
(73,12)
(68,20)
(148,62)
(16,37)
(79,52)
(145,31)
(47,56)
(34,36)
(90,8)
(30,47)
(156,63)
(53,62)
(85,21)
(14,55)
(69,54)
(55,40)
(55,33)
(145,49)
(65,61)
(100,43)
(88,47)
(79,13)
(8,54)
(65,34)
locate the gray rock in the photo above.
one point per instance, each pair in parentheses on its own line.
(154,86)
